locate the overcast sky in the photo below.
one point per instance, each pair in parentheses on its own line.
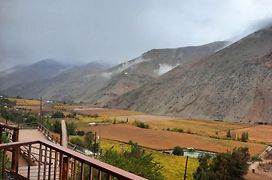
(118,30)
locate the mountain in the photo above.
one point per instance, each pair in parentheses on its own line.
(146,68)
(16,75)
(98,85)
(234,84)
(64,86)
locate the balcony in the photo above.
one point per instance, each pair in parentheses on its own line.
(48,160)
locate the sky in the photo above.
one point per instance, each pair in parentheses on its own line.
(114,31)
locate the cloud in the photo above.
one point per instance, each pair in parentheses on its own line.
(119,30)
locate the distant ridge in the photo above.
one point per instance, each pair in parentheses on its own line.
(233,84)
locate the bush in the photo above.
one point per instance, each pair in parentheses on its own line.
(77,141)
(256,158)
(244,137)
(80,133)
(178,151)
(73,115)
(228,166)
(141,124)
(93,115)
(228,135)
(58,114)
(134,160)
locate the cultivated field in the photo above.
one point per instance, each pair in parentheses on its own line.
(201,127)
(105,112)
(26,101)
(259,133)
(161,140)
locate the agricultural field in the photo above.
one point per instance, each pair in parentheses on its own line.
(258,133)
(30,102)
(105,112)
(173,166)
(201,127)
(163,140)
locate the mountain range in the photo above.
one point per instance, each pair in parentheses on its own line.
(218,81)
(234,83)
(98,84)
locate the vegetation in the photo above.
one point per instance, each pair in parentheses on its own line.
(244,137)
(141,124)
(173,166)
(56,127)
(178,151)
(133,160)
(228,134)
(256,158)
(89,141)
(58,114)
(228,166)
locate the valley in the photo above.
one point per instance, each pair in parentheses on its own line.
(163,132)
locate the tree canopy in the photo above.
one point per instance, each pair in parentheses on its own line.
(134,160)
(228,166)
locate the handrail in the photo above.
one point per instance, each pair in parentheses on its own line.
(91,162)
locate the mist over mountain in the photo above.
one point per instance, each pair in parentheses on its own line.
(232,84)
(41,70)
(97,84)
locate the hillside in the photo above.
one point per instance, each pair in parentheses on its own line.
(232,84)
(96,84)
(146,68)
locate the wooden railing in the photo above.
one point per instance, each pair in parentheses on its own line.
(57,162)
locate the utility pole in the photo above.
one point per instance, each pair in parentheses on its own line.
(41,114)
(185,171)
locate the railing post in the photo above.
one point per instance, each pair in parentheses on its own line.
(64,168)
(15,151)
(1,133)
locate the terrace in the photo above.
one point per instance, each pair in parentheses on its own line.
(47,160)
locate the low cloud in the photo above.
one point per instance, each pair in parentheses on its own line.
(116,31)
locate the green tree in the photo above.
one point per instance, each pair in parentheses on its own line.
(71,128)
(228,134)
(178,151)
(244,137)
(228,166)
(58,114)
(56,127)
(135,160)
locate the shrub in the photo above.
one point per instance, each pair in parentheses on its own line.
(134,160)
(244,137)
(80,133)
(228,135)
(178,151)
(58,114)
(256,158)
(77,141)
(228,166)
(141,124)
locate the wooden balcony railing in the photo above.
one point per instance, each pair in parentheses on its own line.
(52,161)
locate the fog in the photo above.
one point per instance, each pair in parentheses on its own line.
(115,31)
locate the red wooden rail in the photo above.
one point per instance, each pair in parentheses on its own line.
(57,162)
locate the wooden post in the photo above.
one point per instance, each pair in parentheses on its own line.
(185,171)
(1,133)
(29,161)
(3,163)
(64,168)
(15,151)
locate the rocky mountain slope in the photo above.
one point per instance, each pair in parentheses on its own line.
(146,68)
(100,86)
(234,84)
